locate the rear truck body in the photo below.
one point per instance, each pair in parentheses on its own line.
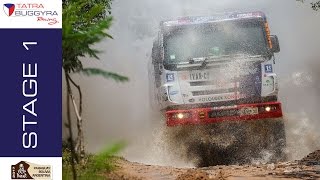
(216,69)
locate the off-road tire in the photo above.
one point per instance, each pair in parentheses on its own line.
(263,140)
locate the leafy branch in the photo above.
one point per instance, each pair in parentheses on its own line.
(314,5)
(84,24)
(103,73)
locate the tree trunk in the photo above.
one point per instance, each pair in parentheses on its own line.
(80,138)
(73,153)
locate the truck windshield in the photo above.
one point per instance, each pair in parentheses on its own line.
(215,39)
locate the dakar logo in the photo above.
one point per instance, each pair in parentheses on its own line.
(19,171)
(8,9)
(25,170)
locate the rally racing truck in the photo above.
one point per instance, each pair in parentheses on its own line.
(214,80)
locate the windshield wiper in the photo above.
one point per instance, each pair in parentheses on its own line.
(204,60)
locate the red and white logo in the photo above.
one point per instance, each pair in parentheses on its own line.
(8,9)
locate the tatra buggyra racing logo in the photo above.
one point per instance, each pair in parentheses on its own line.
(40,12)
(28,10)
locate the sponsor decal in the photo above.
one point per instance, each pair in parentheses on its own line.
(208,99)
(39,11)
(268,83)
(170,77)
(203,19)
(246,15)
(248,111)
(199,76)
(221,98)
(224,107)
(173,93)
(26,170)
(191,100)
(185,95)
(268,68)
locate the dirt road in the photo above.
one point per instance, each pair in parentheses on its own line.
(306,168)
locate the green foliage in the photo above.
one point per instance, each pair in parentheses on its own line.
(85,23)
(101,161)
(80,32)
(105,74)
(95,165)
(315,5)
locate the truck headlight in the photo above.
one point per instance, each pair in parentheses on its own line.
(182,115)
(268,108)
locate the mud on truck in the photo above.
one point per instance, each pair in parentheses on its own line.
(214,80)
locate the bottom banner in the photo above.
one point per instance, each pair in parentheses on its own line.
(43,168)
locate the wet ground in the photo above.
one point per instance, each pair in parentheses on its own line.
(306,168)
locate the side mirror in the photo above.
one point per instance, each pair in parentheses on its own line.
(275,44)
(156,58)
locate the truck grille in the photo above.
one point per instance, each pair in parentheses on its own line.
(208,83)
(202,83)
(208,92)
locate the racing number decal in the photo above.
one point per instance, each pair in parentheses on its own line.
(268,68)
(170,77)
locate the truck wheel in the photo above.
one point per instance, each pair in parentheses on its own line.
(212,155)
(253,140)
(268,140)
(277,141)
(216,144)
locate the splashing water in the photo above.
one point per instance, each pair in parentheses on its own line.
(121,111)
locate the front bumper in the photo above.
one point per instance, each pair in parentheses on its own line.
(223,113)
